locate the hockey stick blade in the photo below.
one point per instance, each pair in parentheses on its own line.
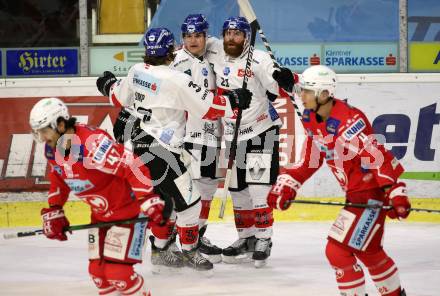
(76,227)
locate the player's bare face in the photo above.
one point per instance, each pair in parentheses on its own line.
(308,98)
(47,135)
(233,42)
(195,43)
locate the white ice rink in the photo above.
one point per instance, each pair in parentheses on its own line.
(37,266)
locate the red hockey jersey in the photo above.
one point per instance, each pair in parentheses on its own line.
(101,173)
(347,143)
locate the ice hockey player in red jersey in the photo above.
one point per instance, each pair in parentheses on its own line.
(342,136)
(86,161)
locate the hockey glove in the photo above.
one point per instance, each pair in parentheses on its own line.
(240,98)
(398,198)
(157,209)
(54,223)
(285,79)
(104,82)
(283,192)
(124,121)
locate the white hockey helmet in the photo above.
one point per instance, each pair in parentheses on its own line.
(319,78)
(46,113)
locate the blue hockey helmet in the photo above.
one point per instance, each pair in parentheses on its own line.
(158,42)
(237,23)
(194,23)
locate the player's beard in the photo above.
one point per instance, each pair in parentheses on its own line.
(235,50)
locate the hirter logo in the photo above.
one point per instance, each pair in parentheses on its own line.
(390,60)
(315,60)
(241,73)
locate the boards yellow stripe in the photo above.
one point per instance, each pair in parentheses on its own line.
(14,214)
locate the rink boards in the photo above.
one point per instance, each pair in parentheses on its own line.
(403,107)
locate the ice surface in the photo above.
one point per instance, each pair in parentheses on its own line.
(37,266)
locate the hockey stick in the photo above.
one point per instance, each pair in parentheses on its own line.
(76,227)
(249,13)
(354,205)
(233,149)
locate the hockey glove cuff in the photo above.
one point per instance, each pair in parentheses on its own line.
(398,198)
(104,82)
(239,98)
(54,223)
(283,192)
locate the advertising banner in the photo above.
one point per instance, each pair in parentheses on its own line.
(424,56)
(1,62)
(42,62)
(361,57)
(22,163)
(114,59)
(296,56)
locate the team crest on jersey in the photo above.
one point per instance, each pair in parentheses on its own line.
(209,127)
(354,129)
(205,72)
(306,115)
(332,125)
(226,71)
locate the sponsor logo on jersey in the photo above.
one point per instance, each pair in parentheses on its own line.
(364,226)
(137,241)
(240,73)
(139,97)
(273,112)
(166,135)
(78,186)
(146,82)
(332,125)
(262,117)
(226,71)
(102,150)
(204,72)
(57,169)
(246,131)
(195,134)
(354,129)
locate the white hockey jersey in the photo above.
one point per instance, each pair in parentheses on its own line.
(203,132)
(160,96)
(229,72)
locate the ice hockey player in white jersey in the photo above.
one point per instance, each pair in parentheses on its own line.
(203,137)
(160,97)
(257,159)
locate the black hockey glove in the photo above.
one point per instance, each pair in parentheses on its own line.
(104,82)
(124,121)
(240,98)
(285,79)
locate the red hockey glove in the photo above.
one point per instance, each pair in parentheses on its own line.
(54,223)
(398,199)
(283,192)
(157,209)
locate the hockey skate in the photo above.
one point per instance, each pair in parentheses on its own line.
(195,260)
(169,258)
(207,249)
(263,247)
(240,251)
